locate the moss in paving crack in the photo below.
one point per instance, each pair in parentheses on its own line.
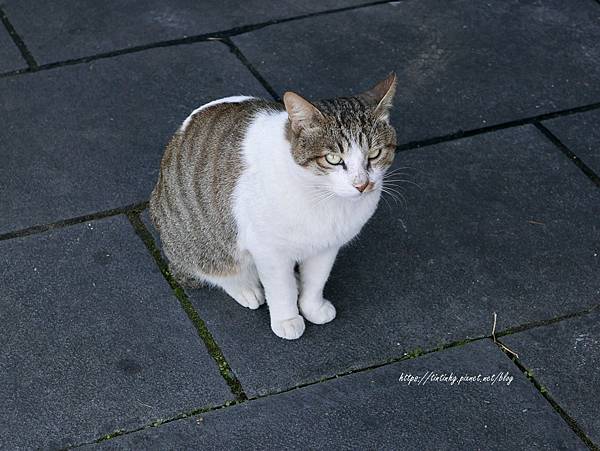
(453,344)
(160,422)
(546,322)
(213,349)
(528,373)
(414,353)
(114,434)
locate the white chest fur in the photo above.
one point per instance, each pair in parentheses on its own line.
(277,204)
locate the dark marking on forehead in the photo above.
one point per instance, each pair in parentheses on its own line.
(350,116)
(344,121)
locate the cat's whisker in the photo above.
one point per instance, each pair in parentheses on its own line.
(321,195)
(316,200)
(394,171)
(405,181)
(401,174)
(399,193)
(393,196)
(396,174)
(394,187)
(387,189)
(386,201)
(325,198)
(389,179)
(325,194)
(399,169)
(318,192)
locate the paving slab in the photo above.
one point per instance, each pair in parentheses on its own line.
(64,30)
(565,357)
(10,57)
(93,339)
(504,223)
(374,410)
(581,134)
(460,65)
(90,137)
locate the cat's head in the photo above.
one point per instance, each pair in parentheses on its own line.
(347,143)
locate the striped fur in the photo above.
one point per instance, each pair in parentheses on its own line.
(191,203)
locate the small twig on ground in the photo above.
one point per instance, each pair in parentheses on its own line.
(143,404)
(504,348)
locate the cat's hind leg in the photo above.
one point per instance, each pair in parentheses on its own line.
(184,278)
(243,286)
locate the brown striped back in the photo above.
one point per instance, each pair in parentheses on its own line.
(191,205)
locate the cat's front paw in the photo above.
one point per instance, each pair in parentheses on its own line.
(318,312)
(290,329)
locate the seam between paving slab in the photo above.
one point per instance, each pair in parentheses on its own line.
(213,349)
(529,120)
(569,153)
(547,322)
(416,353)
(544,392)
(187,40)
(75,220)
(242,58)
(25,53)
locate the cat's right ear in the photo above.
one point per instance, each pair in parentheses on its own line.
(303,114)
(380,97)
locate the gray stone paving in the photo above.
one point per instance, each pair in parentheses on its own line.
(373,410)
(582,134)
(564,358)
(460,67)
(498,119)
(96,132)
(10,57)
(93,339)
(63,29)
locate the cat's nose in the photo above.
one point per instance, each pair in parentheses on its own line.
(362,187)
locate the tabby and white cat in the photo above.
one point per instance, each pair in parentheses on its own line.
(249,188)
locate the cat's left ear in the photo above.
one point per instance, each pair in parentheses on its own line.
(381,96)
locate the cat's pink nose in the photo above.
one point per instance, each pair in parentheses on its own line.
(362,187)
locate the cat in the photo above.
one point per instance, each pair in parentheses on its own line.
(251,189)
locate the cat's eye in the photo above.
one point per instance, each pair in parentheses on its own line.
(333,159)
(374,153)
